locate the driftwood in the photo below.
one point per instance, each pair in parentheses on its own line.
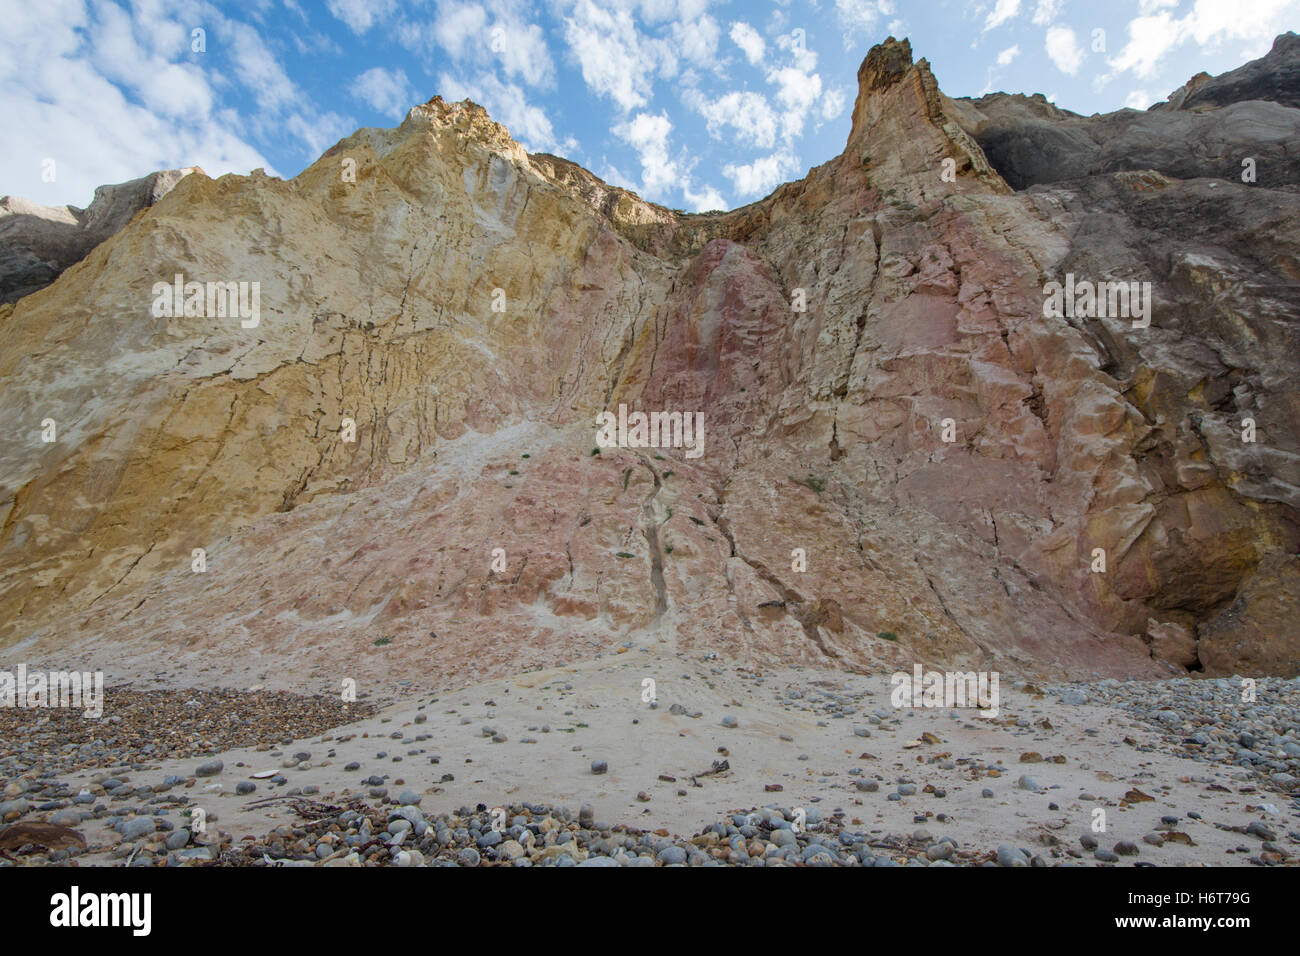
(309,810)
(49,835)
(719,766)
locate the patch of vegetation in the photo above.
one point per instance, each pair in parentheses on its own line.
(626,475)
(513,472)
(383,642)
(623,554)
(668,549)
(697,520)
(667,475)
(595,451)
(813,482)
(887,636)
(525,455)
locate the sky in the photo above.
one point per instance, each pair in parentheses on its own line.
(695,104)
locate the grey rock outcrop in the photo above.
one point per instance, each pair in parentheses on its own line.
(38,242)
(1206,129)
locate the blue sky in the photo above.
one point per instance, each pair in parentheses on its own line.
(696,104)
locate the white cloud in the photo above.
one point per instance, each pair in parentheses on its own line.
(361,15)
(385,90)
(616,59)
(1064,50)
(804,58)
(470,33)
(1007,55)
(648,135)
(797,91)
(833,103)
(61,104)
(1139,100)
(1209,24)
(258,70)
(1150,38)
(1002,11)
(752,120)
(1046,12)
(706,200)
(859,17)
(459,25)
(522,50)
(762,175)
(749,41)
(697,40)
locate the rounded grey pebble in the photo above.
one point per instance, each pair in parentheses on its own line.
(1011,856)
(672,854)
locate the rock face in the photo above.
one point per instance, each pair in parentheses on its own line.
(1207,128)
(39,242)
(904,457)
(1274,78)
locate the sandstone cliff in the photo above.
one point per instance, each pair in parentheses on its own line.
(383,272)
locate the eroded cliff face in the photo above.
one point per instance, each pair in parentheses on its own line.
(38,242)
(473,308)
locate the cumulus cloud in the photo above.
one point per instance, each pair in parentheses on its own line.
(1046,12)
(833,103)
(1209,23)
(747,115)
(1139,100)
(361,15)
(458,27)
(797,91)
(1063,49)
(762,175)
(706,200)
(386,91)
(648,135)
(617,60)
(1007,55)
(61,95)
(749,40)
(697,40)
(1150,38)
(470,33)
(1002,11)
(858,18)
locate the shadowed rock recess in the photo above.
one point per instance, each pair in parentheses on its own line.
(824,428)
